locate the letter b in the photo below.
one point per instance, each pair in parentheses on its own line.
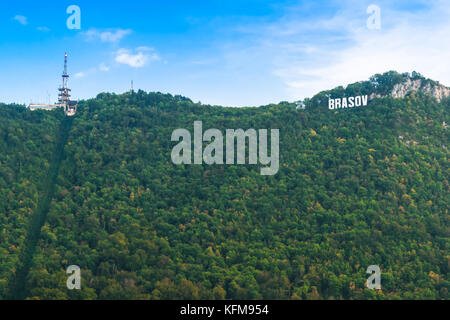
(331,104)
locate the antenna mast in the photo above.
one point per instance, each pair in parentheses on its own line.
(64,95)
(65,75)
(70,107)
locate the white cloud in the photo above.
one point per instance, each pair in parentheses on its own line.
(80,75)
(21,19)
(103,67)
(136,59)
(410,45)
(43,29)
(144,48)
(111,36)
(310,55)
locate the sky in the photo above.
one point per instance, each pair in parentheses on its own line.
(220,52)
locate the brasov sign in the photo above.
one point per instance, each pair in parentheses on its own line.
(350,102)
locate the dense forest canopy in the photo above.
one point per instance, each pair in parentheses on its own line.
(27,143)
(357,187)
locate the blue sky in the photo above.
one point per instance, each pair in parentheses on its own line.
(228,52)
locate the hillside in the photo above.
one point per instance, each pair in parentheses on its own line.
(27,144)
(357,187)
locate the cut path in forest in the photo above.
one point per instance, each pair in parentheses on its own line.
(18,290)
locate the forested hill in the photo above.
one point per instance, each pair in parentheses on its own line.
(389,84)
(356,187)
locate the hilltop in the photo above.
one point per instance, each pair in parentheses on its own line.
(389,84)
(416,83)
(360,187)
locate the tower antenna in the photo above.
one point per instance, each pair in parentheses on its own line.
(70,107)
(64,95)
